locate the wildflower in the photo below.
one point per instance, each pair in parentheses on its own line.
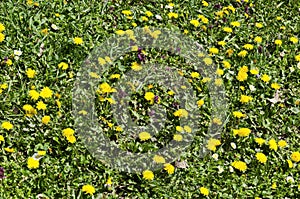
(204,3)
(135,66)
(206,79)
(1,138)
(248,46)
(78,40)
(294,40)
(222,43)
(214,50)
(30,73)
(9,62)
(17,52)
(181,113)
(220,72)
(204,191)
(226,64)
(262,158)
(41,105)
(63,66)
(290,179)
(195,74)
(282,143)
(208,61)
(260,141)
(144,136)
(177,137)
(297,57)
(2,37)
(34,94)
(88,189)
(265,78)
(240,165)
(229,52)
(143,18)
(245,99)
(274,185)
(32,163)
(10,150)
(127,12)
(258,39)
(2,27)
(258,25)
(275,86)
(213,143)
(46,119)
(217,121)
(169,168)
(179,128)
(149,14)
(71,139)
(120,32)
(278,42)
(218,82)
(149,96)
(30,111)
(273,144)
(254,71)
(46,92)
(242,76)
(115,76)
(68,132)
(233,145)
(243,53)
(106,88)
(109,182)
(295,156)
(227,29)
(235,24)
(238,114)
(195,22)
(172,15)
(243,132)
(159,159)
(200,102)
(187,129)
(54,27)
(148,175)
(290,164)
(7,125)
(41,153)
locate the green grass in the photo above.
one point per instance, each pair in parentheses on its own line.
(66,167)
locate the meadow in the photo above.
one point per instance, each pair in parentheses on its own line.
(250,57)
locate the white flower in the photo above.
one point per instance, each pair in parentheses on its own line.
(231,169)
(215,156)
(252,88)
(169,7)
(292,69)
(221,169)
(54,27)
(233,145)
(158,17)
(17,52)
(290,179)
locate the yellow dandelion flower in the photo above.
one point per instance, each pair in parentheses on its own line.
(169,168)
(148,175)
(144,136)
